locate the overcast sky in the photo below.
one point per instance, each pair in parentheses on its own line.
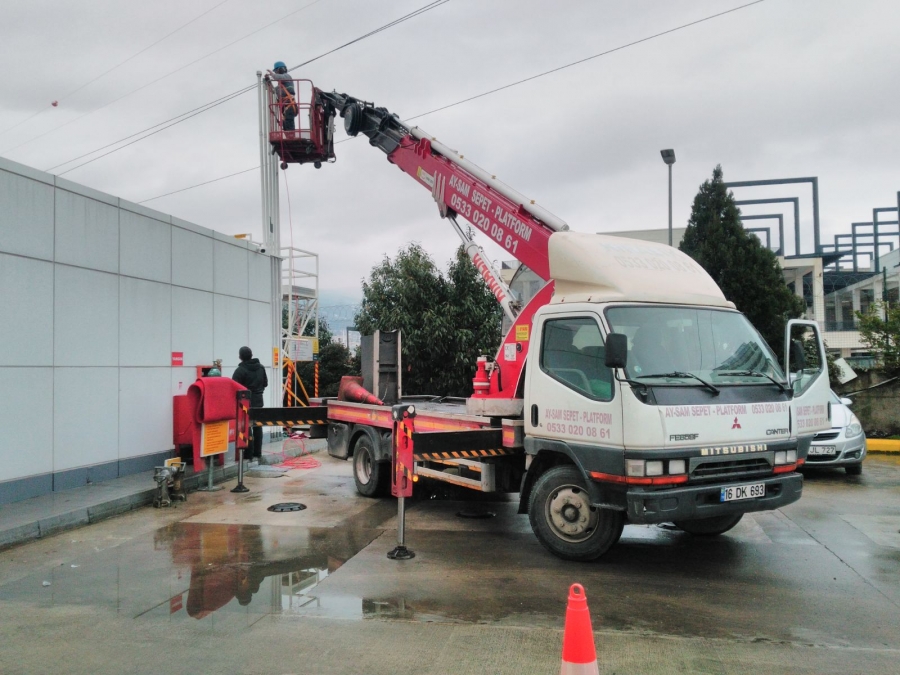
(783,88)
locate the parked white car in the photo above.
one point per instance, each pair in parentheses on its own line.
(844,445)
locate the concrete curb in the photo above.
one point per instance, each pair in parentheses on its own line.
(53,517)
(887,445)
(62,520)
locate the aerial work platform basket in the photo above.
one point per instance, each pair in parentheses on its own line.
(300,124)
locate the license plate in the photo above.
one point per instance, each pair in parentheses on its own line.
(733,494)
(822,450)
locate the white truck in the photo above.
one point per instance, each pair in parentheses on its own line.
(647,397)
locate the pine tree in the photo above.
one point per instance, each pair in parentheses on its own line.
(748,273)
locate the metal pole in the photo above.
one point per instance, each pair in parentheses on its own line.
(670,204)
(240,487)
(401,518)
(261,105)
(209,477)
(400,552)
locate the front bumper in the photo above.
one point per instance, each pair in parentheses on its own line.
(645,506)
(848,451)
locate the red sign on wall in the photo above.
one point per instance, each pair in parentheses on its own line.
(177,358)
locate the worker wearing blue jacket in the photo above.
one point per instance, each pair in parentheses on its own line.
(287,95)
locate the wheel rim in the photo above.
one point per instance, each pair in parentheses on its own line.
(570,514)
(363,465)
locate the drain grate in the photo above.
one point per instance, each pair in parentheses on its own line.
(287,507)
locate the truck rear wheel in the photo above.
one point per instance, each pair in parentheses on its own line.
(709,527)
(373,479)
(564,521)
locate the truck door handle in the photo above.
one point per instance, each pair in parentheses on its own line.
(534,416)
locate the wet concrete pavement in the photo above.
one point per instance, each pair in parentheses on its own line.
(222,584)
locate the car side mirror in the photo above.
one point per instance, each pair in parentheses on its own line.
(846,401)
(798,357)
(616,350)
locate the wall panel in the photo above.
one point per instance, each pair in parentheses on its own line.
(26,216)
(26,418)
(87,232)
(86,317)
(145,247)
(145,411)
(145,323)
(26,311)
(192,259)
(85,417)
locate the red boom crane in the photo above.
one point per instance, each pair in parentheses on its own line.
(458,186)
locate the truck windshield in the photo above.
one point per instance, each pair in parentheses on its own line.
(681,343)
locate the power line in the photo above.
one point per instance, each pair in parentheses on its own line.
(513,84)
(201,109)
(163,77)
(185,115)
(214,180)
(116,67)
(588,58)
(152,133)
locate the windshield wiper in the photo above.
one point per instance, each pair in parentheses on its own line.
(753,373)
(677,373)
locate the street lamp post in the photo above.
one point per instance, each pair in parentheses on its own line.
(669,158)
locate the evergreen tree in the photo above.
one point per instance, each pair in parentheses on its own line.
(446,321)
(882,335)
(748,273)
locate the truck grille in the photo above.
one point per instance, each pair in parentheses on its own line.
(731,468)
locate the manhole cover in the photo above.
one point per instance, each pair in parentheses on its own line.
(475,514)
(287,507)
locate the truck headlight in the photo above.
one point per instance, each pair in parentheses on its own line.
(676,466)
(634,467)
(785,457)
(654,468)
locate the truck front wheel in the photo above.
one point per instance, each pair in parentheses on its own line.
(373,479)
(564,521)
(709,527)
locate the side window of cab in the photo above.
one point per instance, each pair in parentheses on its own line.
(573,353)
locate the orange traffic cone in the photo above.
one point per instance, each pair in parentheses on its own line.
(351,389)
(579,657)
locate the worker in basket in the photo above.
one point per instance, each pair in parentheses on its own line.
(287,95)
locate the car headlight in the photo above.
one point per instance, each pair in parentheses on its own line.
(854,428)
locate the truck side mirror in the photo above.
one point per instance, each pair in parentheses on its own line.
(798,357)
(616,350)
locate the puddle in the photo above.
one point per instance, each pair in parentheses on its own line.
(199,570)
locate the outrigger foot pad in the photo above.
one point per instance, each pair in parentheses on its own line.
(401,553)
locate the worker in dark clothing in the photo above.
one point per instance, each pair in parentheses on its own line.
(252,374)
(287,96)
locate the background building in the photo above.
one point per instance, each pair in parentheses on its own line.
(107,309)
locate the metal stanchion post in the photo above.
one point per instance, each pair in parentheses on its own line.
(402,473)
(242,436)
(240,487)
(209,477)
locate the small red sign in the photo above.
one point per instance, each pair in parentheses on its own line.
(177,358)
(175,603)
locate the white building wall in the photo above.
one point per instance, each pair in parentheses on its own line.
(96,294)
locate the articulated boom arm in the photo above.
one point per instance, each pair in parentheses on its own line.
(510,219)
(460,187)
